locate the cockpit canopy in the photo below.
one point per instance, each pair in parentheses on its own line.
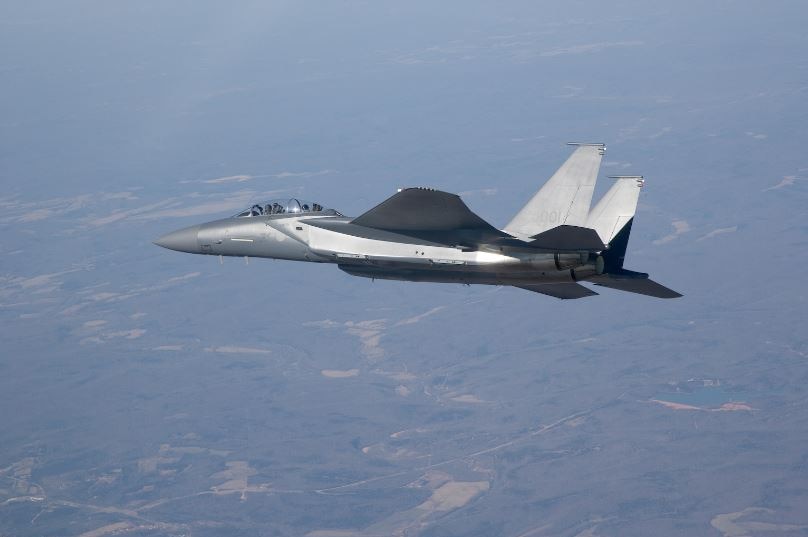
(287,206)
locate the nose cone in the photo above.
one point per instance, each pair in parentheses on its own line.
(182,240)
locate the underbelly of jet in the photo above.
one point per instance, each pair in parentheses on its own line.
(491,276)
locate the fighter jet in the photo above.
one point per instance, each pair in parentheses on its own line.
(554,242)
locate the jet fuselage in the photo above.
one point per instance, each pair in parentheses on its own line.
(425,235)
(374,253)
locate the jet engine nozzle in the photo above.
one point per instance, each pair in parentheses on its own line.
(600,264)
(570,260)
(586,271)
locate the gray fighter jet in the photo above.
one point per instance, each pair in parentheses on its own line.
(425,235)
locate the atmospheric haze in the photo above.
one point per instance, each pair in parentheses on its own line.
(148,393)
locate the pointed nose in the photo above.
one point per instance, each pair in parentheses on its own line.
(182,240)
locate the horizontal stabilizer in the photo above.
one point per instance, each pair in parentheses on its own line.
(423,209)
(641,286)
(568,238)
(564,291)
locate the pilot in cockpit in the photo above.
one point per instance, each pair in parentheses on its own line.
(284,207)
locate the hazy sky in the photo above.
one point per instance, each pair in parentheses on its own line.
(138,380)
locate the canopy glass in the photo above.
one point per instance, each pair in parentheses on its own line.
(288,206)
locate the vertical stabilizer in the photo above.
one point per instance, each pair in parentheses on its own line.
(565,198)
(616,208)
(612,218)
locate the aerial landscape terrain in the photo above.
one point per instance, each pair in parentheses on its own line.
(149,393)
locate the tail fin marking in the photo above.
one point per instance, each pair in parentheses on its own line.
(565,198)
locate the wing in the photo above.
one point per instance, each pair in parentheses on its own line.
(564,291)
(422,209)
(349,228)
(431,215)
